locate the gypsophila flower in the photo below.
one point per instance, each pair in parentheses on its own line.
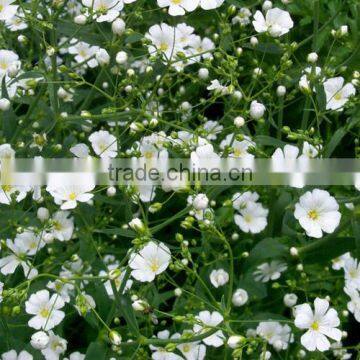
(46,310)
(269,271)
(320,324)
(317,212)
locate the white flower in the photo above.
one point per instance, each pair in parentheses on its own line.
(243,17)
(253,218)
(339,262)
(84,303)
(102,57)
(317,212)
(321,323)
(269,271)
(7,11)
(240,201)
(45,309)
(304,82)
(6,151)
(62,226)
(39,340)
(276,22)
(84,53)
(151,260)
(80,150)
(56,347)
(275,334)
(290,152)
(118,280)
(75,356)
(200,47)
(309,151)
(12,355)
(218,88)
(210,4)
(106,10)
(337,94)
(239,148)
(200,202)
(354,304)
(240,297)
(191,350)
(212,128)
(178,7)
(1,291)
(104,144)
(219,277)
(22,247)
(70,195)
(352,273)
(161,353)
(207,321)
(257,110)
(63,289)
(163,38)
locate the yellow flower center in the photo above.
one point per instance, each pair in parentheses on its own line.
(237,152)
(313,215)
(248,218)
(57,225)
(186,348)
(6,188)
(338,96)
(353,273)
(163,46)
(44,313)
(148,154)
(1,7)
(315,326)
(3,65)
(72,196)
(154,265)
(176,2)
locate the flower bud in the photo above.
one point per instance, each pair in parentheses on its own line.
(200,202)
(39,340)
(4,104)
(80,19)
(257,110)
(111,191)
(203,73)
(115,337)
(312,58)
(281,91)
(240,297)
(43,214)
(234,341)
(239,121)
(137,225)
(121,57)
(118,27)
(290,300)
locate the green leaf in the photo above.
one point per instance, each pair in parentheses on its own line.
(323,251)
(127,312)
(269,141)
(265,249)
(96,351)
